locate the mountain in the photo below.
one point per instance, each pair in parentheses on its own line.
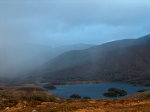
(65,48)
(123,60)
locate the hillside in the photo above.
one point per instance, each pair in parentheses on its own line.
(14,99)
(35,101)
(123,60)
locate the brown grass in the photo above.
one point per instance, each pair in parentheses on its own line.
(26,101)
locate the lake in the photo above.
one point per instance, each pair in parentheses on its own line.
(93,90)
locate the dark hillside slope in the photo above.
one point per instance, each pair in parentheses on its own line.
(123,60)
(132,66)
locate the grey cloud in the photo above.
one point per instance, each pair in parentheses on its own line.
(26,23)
(48,18)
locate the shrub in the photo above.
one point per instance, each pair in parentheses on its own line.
(75,96)
(86,97)
(110,94)
(49,86)
(32,96)
(143,90)
(114,92)
(30,89)
(39,97)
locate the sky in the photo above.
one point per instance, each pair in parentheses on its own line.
(61,22)
(30,28)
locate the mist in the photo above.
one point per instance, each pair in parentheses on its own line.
(32,32)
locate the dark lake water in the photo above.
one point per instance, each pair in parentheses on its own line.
(93,90)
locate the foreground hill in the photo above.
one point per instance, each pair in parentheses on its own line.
(123,60)
(33,101)
(13,99)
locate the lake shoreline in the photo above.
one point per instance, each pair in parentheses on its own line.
(93,82)
(76,82)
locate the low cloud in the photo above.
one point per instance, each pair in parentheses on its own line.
(24,24)
(58,22)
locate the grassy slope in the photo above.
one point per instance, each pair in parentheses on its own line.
(49,103)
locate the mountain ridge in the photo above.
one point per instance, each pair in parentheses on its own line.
(122,60)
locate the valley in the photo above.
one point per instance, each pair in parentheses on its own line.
(74,56)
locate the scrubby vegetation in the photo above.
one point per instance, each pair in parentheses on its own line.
(143,90)
(75,96)
(30,89)
(49,86)
(86,97)
(114,92)
(11,98)
(27,95)
(41,101)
